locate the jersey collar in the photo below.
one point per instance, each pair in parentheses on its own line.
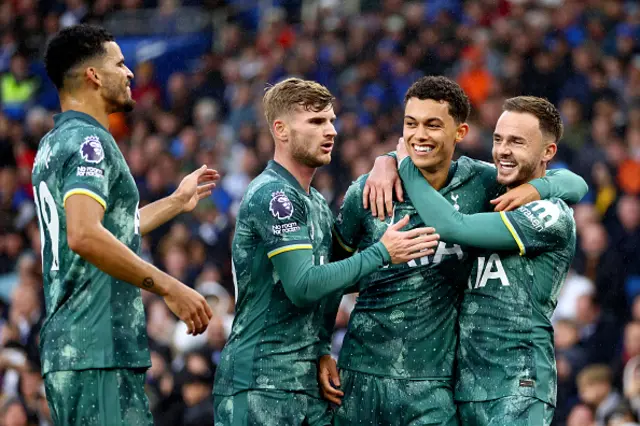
(58,119)
(284,173)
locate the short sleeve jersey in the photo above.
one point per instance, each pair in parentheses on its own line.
(92,319)
(404,322)
(506,335)
(273,343)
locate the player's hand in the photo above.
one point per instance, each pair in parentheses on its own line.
(401,151)
(328,377)
(516,197)
(189,305)
(378,191)
(404,246)
(196,186)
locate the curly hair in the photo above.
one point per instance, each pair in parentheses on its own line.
(546,113)
(441,88)
(71,47)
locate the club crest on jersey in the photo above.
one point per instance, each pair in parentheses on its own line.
(280,206)
(91,150)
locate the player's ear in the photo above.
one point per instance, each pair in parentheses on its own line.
(550,150)
(461,132)
(280,130)
(92,74)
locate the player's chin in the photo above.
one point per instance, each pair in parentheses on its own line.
(508,178)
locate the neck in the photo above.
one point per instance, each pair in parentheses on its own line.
(92,106)
(437,178)
(540,172)
(303,174)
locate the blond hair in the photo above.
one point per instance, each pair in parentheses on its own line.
(283,97)
(593,374)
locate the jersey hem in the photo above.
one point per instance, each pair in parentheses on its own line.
(81,367)
(394,377)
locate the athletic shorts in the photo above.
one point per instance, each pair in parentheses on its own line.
(101,397)
(270,408)
(510,410)
(373,400)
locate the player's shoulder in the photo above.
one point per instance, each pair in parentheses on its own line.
(472,167)
(271,192)
(356,189)
(552,215)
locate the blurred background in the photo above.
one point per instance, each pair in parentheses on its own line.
(201,67)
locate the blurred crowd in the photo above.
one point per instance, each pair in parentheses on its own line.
(583,55)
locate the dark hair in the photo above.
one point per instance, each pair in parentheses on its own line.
(441,88)
(72,46)
(542,109)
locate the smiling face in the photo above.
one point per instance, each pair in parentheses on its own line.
(310,135)
(431,133)
(520,150)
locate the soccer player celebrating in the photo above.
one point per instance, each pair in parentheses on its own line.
(286,296)
(506,372)
(94,344)
(397,358)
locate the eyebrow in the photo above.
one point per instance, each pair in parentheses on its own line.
(428,119)
(516,138)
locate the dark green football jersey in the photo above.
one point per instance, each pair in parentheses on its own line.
(92,320)
(506,336)
(273,343)
(404,322)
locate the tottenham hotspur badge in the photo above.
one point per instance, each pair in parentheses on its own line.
(280,206)
(91,150)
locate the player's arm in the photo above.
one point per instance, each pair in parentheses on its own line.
(483,230)
(562,184)
(382,183)
(286,234)
(193,188)
(88,238)
(86,185)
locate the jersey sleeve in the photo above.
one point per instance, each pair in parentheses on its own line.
(88,166)
(562,184)
(540,225)
(348,224)
(279,217)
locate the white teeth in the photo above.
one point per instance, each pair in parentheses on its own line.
(419,148)
(507,164)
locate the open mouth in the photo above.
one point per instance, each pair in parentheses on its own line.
(507,165)
(327,146)
(423,149)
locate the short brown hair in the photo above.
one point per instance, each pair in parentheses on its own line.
(594,374)
(283,97)
(547,114)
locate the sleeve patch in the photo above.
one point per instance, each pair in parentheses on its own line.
(91,150)
(280,206)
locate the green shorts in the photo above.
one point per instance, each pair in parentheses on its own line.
(372,400)
(114,397)
(510,410)
(270,408)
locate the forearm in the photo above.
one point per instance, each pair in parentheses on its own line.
(326,331)
(100,248)
(483,230)
(158,213)
(562,184)
(305,283)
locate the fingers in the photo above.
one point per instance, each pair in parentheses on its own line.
(365,195)
(209,175)
(417,232)
(333,373)
(372,201)
(400,224)
(380,201)
(388,199)
(197,323)
(504,202)
(328,391)
(190,326)
(204,188)
(207,310)
(398,189)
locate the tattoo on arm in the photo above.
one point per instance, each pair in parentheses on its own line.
(147,282)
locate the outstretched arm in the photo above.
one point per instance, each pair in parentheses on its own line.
(484,230)
(193,188)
